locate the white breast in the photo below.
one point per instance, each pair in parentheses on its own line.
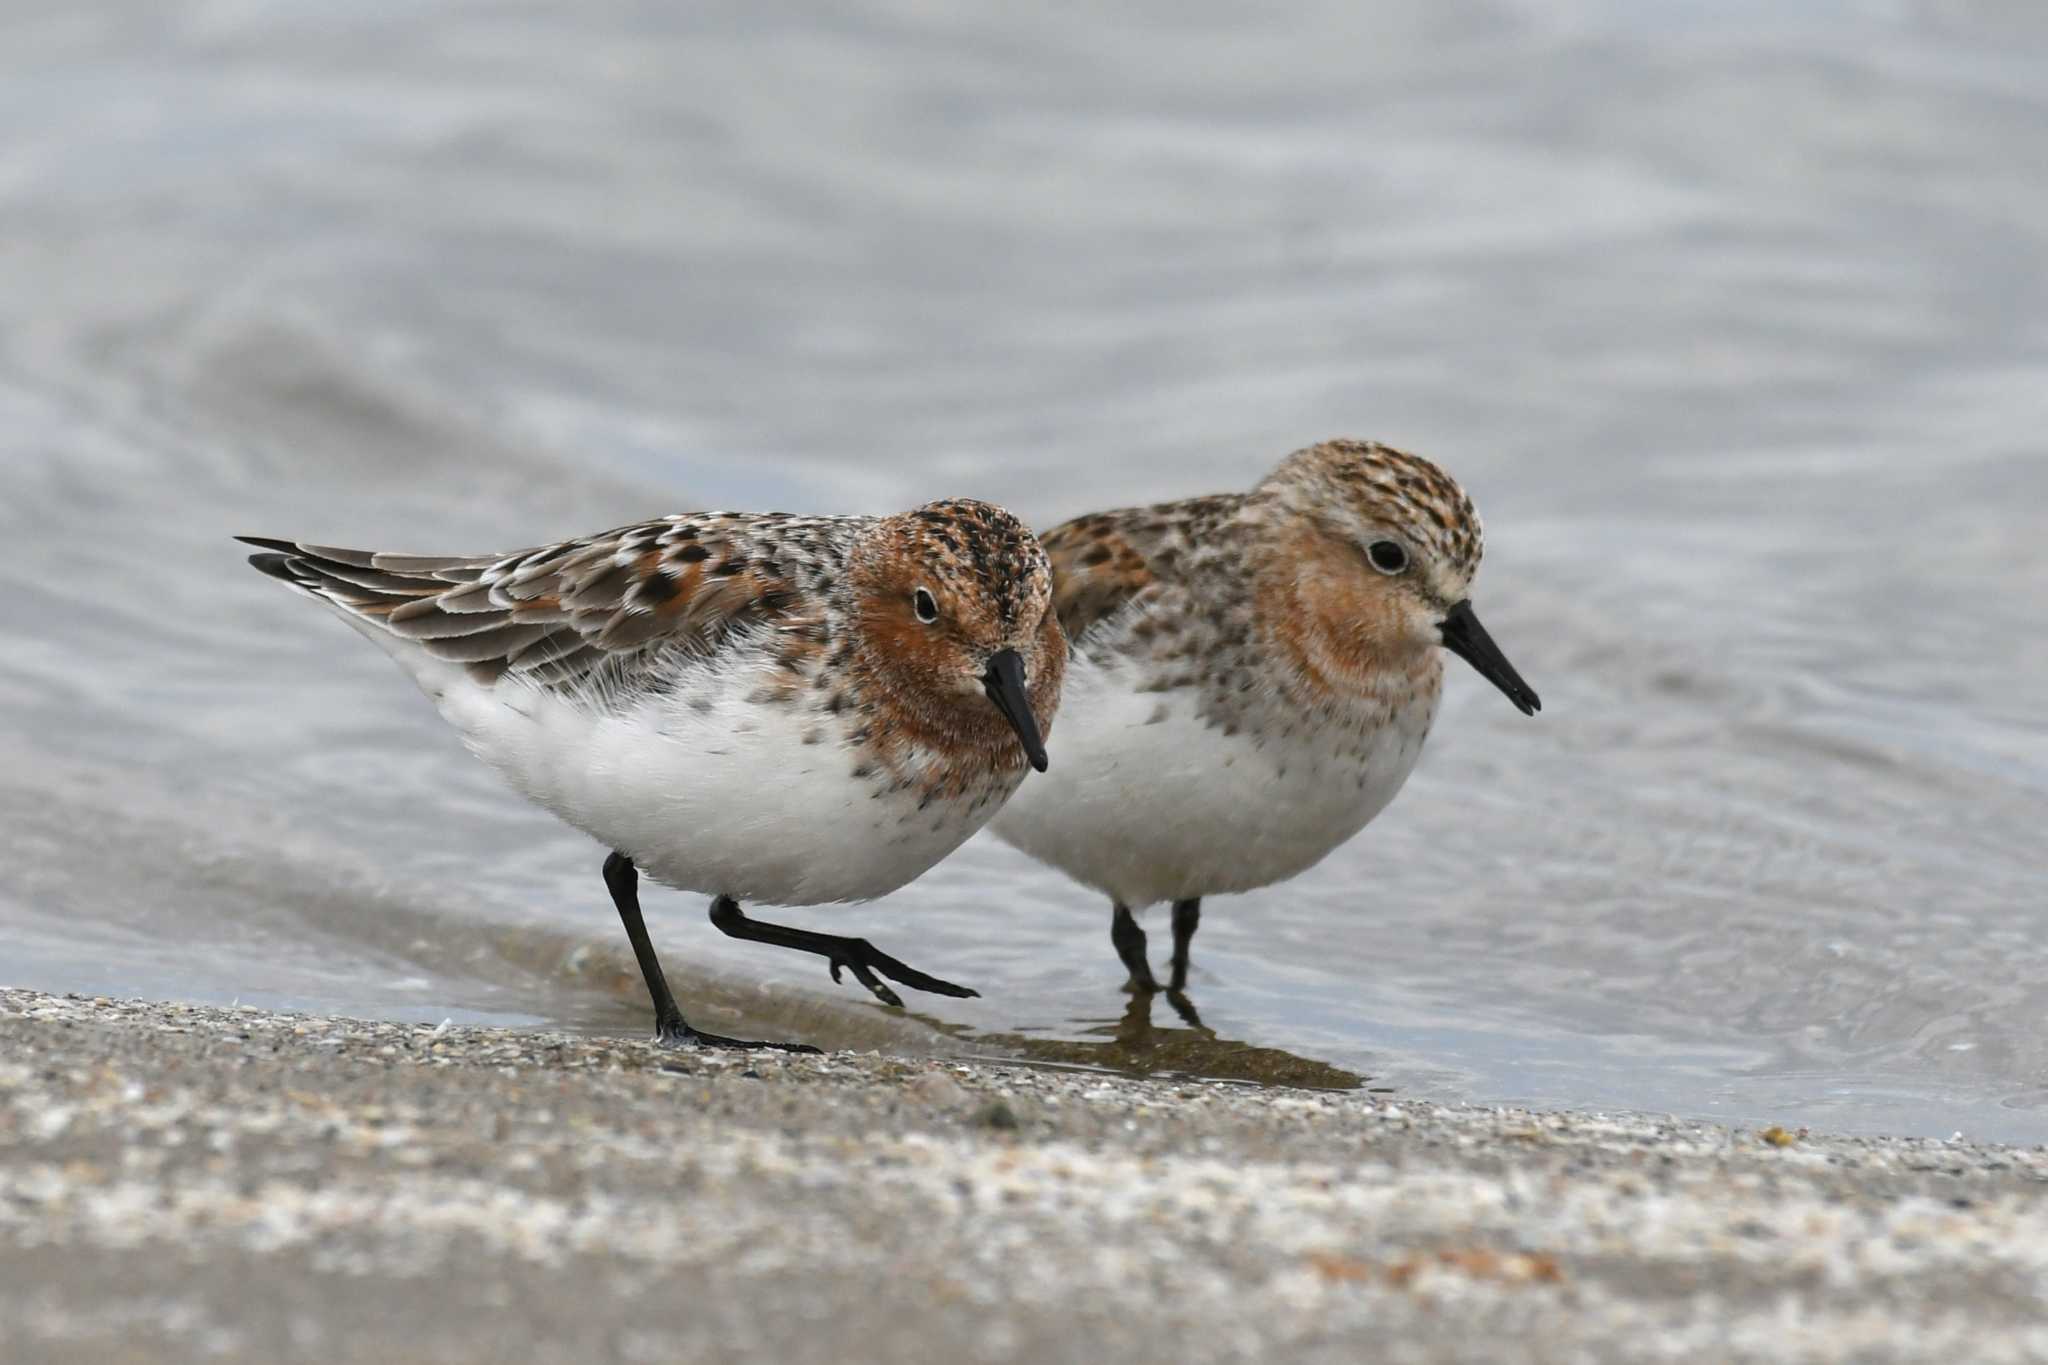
(708,791)
(1147,801)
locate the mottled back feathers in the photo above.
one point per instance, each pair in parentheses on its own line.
(554,615)
(1106,561)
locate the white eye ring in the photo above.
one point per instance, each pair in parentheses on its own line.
(925,605)
(1388,556)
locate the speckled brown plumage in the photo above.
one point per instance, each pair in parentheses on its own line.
(791,710)
(810,617)
(1251,685)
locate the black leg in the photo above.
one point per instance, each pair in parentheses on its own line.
(1187,917)
(623,880)
(857,955)
(1130,946)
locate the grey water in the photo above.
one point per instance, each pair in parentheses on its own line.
(1732,317)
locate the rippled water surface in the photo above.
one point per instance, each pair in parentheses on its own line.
(1735,325)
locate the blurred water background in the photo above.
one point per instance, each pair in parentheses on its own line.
(1732,316)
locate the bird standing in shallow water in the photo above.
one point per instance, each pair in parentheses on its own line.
(1253,677)
(796,710)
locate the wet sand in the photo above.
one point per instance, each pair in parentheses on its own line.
(186,1183)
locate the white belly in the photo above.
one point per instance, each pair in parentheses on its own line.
(725,801)
(1147,802)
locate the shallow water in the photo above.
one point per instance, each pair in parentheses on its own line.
(1734,325)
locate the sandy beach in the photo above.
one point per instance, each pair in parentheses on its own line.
(194,1183)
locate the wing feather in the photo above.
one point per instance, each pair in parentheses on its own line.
(1107,561)
(557,614)
(1098,568)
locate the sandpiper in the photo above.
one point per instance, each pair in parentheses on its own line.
(1253,678)
(759,707)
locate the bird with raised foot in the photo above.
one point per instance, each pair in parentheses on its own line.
(759,707)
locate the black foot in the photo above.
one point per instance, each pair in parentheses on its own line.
(864,959)
(676,1033)
(1130,946)
(670,1029)
(855,955)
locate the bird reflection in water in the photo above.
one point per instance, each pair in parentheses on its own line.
(1135,1045)
(1132,1044)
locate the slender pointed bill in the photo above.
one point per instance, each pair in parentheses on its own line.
(1466,638)
(1004,683)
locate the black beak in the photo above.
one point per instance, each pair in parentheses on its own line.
(1004,683)
(1466,638)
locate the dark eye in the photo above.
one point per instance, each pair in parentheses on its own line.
(1387,556)
(925,605)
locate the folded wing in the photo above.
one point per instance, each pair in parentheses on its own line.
(1107,561)
(558,614)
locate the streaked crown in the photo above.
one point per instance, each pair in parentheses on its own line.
(1361,487)
(978,546)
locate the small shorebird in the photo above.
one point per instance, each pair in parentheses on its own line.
(792,710)
(1252,680)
